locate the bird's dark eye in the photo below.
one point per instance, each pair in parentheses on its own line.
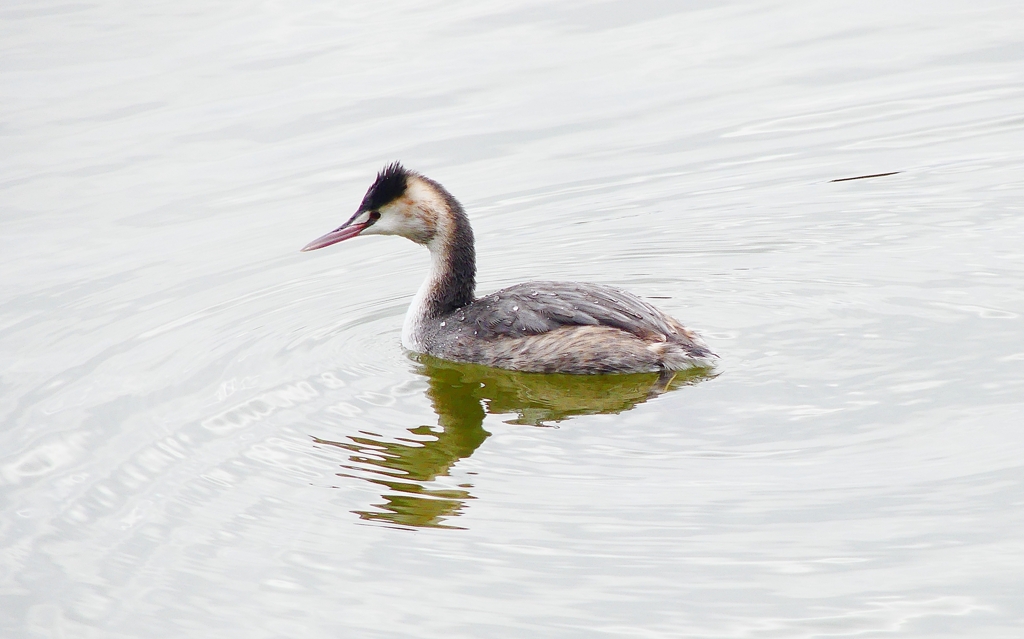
(374,216)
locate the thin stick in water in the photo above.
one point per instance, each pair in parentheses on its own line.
(864,177)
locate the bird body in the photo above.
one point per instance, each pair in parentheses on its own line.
(565,327)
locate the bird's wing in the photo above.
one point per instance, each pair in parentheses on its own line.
(532,308)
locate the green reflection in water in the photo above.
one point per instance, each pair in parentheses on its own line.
(460,393)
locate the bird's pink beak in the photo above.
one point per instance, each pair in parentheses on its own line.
(343,232)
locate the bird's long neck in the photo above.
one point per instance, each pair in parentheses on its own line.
(451,283)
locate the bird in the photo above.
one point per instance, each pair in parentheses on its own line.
(535,327)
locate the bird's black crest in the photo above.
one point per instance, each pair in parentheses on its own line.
(389,186)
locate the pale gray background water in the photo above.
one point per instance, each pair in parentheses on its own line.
(168,356)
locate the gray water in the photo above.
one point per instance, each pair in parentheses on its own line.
(205,433)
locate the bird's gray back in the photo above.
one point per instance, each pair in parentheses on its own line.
(533,308)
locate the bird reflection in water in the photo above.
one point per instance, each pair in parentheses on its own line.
(462,394)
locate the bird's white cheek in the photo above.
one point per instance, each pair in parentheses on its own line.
(384,226)
(397,224)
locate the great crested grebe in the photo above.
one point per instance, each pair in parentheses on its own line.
(545,327)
